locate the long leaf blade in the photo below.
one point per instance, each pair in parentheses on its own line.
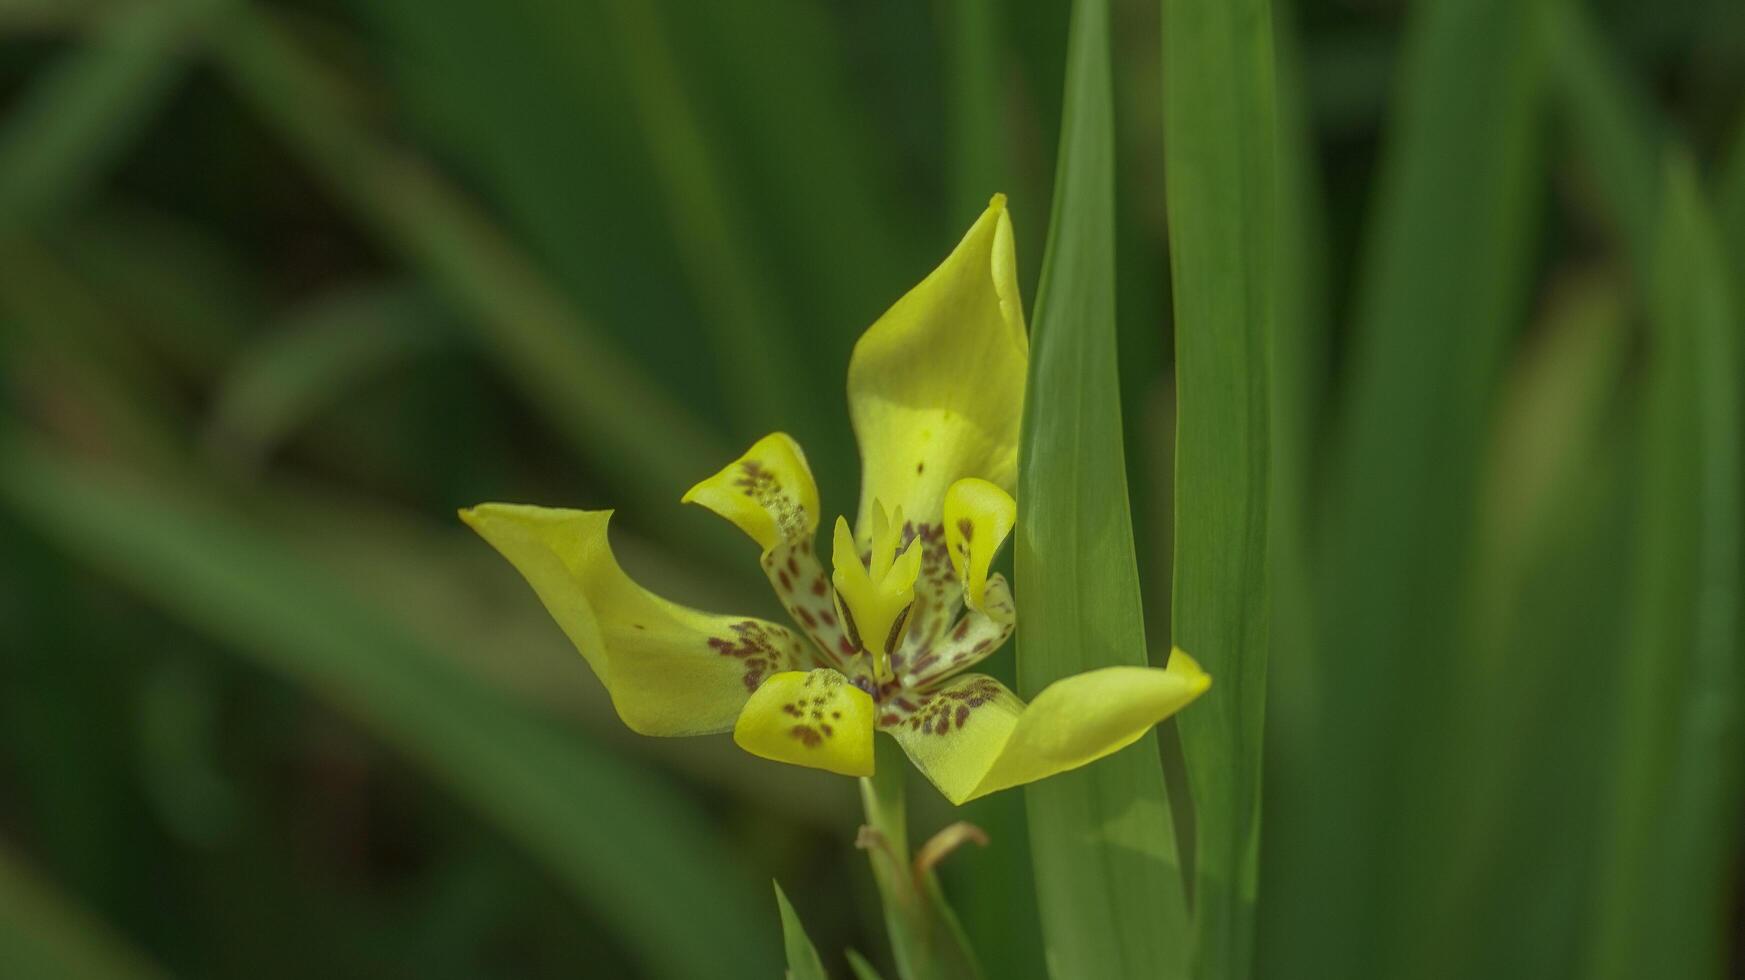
(1108,882)
(1220,166)
(1676,795)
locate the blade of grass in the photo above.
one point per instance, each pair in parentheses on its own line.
(612,413)
(1108,880)
(1615,128)
(45,936)
(1731,196)
(803,961)
(80,113)
(1675,800)
(1221,173)
(1301,371)
(317,357)
(542,786)
(751,341)
(975,106)
(1353,830)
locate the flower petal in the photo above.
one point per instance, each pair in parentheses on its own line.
(971,736)
(936,386)
(978,516)
(813,718)
(977,636)
(670,670)
(769,493)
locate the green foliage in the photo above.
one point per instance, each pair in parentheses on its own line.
(1453,500)
(1222,178)
(1108,883)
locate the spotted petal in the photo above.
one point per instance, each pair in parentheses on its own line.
(978,516)
(971,736)
(814,718)
(670,670)
(936,386)
(769,493)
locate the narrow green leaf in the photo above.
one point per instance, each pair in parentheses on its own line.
(803,961)
(82,111)
(1731,196)
(1108,882)
(1355,820)
(1221,168)
(591,393)
(1615,127)
(317,357)
(45,936)
(1674,811)
(537,782)
(975,106)
(861,968)
(733,287)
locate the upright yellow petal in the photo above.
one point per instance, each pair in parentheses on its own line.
(670,670)
(978,516)
(971,736)
(936,386)
(769,493)
(811,718)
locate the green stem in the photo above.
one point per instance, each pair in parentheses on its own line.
(926,940)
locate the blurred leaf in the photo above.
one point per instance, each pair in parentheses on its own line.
(613,414)
(1109,887)
(976,106)
(44,936)
(1732,196)
(82,111)
(1220,164)
(643,862)
(926,940)
(803,961)
(317,357)
(751,348)
(1674,817)
(1355,825)
(1301,376)
(861,968)
(1616,130)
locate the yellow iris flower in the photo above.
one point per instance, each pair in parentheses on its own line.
(883,640)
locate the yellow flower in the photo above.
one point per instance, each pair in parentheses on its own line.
(936,390)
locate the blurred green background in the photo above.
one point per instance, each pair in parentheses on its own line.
(282,285)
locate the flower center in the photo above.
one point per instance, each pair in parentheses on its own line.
(875,593)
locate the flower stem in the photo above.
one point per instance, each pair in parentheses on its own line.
(926,940)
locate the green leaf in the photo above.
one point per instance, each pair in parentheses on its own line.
(318,356)
(803,961)
(739,300)
(1614,126)
(1358,798)
(1674,828)
(1109,886)
(861,968)
(541,785)
(45,936)
(1221,172)
(1731,195)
